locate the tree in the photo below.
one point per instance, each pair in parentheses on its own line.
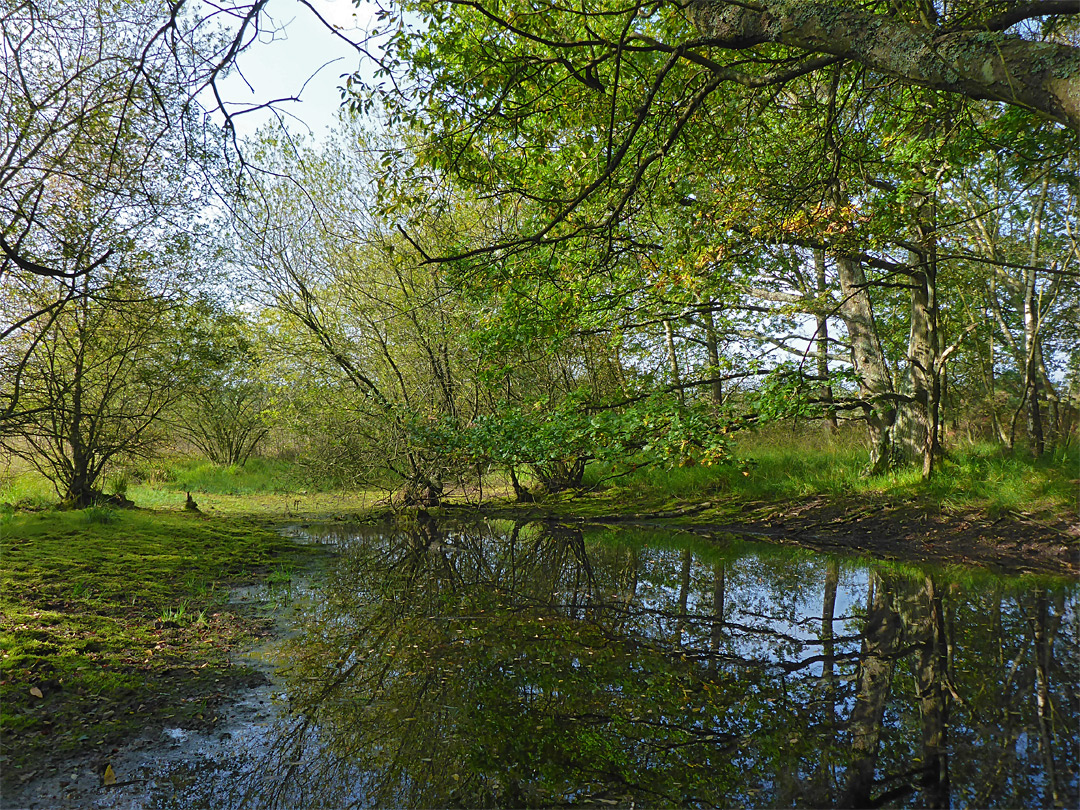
(98,378)
(223,411)
(803,125)
(967,53)
(101,139)
(1017,223)
(376,337)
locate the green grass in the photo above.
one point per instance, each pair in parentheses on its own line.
(26,490)
(780,465)
(186,474)
(1007,482)
(119,622)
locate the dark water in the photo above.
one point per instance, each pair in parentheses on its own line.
(534,665)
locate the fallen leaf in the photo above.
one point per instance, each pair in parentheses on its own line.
(36,692)
(110,775)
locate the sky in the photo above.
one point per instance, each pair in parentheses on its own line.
(301,59)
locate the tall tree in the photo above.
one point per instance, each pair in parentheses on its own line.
(364,316)
(100,140)
(596,119)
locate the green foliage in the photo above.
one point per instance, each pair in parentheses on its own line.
(99,515)
(118,482)
(29,491)
(642,180)
(781,464)
(553,438)
(98,377)
(224,409)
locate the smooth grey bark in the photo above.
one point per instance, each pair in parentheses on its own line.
(875,382)
(822,340)
(980,64)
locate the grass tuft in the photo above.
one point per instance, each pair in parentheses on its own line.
(781,465)
(99,515)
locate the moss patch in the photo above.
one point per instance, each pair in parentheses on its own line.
(116,620)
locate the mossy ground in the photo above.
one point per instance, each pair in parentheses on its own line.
(116,620)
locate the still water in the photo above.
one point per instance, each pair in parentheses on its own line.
(540,665)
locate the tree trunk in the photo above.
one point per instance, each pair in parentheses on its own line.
(929,631)
(917,419)
(521,494)
(80,485)
(1041,76)
(1031,364)
(867,356)
(673,360)
(712,346)
(875,383)
(822,342)
(874,682)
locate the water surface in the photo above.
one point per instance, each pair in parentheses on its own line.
(537,665)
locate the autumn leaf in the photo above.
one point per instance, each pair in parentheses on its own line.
(110,775)
(36,692)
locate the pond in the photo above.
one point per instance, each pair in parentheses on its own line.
(537,664)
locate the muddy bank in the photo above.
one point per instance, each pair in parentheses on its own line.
(185,761)
(1012,543)
(162,766)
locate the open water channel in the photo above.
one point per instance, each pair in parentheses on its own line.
(540,665)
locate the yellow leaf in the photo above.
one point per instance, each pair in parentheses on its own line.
(35,692)
(110,775)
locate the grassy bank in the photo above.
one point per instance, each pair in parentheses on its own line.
(773,466)
(779,466)
(262,489)
(118,620)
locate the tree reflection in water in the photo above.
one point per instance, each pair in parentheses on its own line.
(532,665)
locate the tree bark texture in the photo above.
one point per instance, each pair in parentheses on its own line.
(1040,76)
(875,383)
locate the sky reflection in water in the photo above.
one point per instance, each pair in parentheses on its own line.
(536,665)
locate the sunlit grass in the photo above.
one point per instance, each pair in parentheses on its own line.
(190,474)
(781,464)
(26,489)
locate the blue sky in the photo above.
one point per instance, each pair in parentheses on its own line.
(301,59)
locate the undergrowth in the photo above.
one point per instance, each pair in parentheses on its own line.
(188,474)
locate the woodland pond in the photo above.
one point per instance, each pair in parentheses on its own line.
(540,665)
